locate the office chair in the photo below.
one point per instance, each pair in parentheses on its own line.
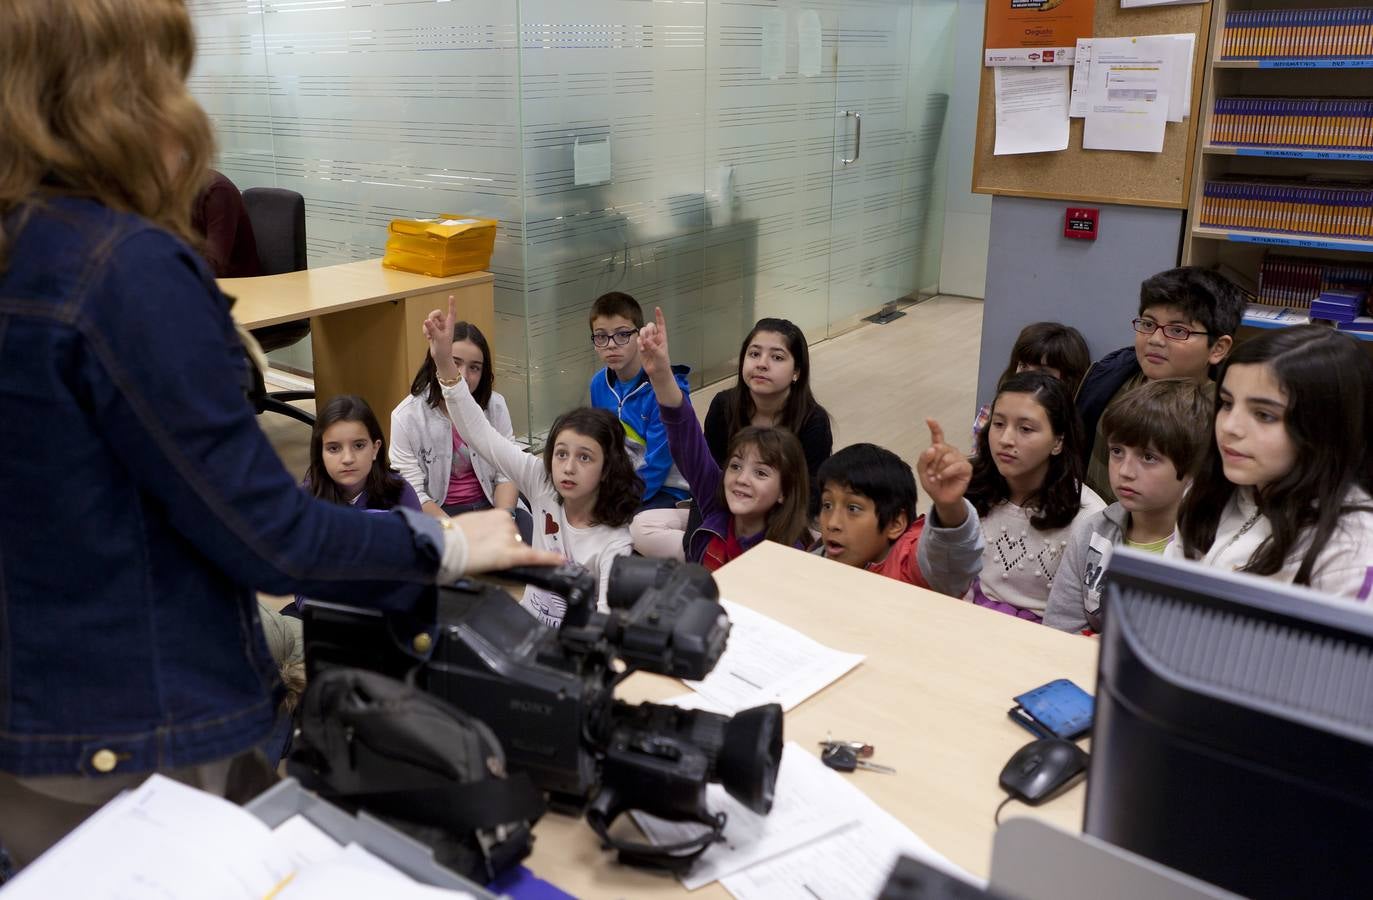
(278,218)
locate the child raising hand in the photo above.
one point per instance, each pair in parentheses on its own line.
(944,474)
(762,492)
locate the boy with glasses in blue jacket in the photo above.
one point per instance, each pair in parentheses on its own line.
(1186,326)
(623,388)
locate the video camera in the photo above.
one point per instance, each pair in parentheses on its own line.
(548,693)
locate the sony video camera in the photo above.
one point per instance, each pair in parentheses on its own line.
(548,694)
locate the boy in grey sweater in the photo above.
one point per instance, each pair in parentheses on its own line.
(1154,433)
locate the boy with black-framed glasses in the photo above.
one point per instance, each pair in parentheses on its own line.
(1186,325)
(623,388)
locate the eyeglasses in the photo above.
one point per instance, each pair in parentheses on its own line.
(621,337)
(1171,332)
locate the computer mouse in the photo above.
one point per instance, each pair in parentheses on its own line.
(1041,768)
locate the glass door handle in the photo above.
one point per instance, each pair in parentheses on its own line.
(857,138)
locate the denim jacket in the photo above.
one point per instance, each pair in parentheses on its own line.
(144,506)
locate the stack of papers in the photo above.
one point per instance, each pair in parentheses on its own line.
(823,839)
(765,662)
(169,840)
(1129,88)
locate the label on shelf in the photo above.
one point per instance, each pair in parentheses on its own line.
(1290,153)
(1286,241)
(1316,63)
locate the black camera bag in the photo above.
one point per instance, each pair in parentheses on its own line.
(372,743)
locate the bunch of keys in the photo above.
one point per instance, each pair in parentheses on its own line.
(845,756)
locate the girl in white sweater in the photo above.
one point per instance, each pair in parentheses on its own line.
(584,490)
(427,450)
(1285,488)
(1023,495)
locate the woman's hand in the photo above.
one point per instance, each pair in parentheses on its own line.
(438,331)
(944,476)
(657,363)
(494,543)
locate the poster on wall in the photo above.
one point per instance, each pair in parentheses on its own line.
(1035,32)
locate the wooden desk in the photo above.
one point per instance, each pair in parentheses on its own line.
(932,696)
(364,322)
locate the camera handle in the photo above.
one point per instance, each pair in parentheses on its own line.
(678,857)
(571,581)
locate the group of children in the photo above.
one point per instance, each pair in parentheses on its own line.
(1251,457)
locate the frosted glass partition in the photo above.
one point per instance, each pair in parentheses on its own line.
(612,99)
(689,153)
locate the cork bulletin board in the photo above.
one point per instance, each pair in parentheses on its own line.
(1104,176)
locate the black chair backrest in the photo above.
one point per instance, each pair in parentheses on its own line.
(278,218)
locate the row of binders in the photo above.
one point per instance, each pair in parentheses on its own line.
(1299,33)
(1299,281)
(1337,210)
(1325,123)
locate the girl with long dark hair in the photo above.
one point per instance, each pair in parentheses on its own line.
(428,451)
(772,390)
(1284,490)
(1026,490)
(582,493)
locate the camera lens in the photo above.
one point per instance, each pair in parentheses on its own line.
(750,755)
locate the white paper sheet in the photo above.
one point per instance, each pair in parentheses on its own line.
(162,840)
(766,662)
(591,161)
(774,60)
(809,39)
(1180,85)
(1127,93)
(1031,109)
(852,862)
(304,842)
(1082,73)
(805,810)
(359,876)
(1131,4)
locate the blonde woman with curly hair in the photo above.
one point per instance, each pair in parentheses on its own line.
(144,507)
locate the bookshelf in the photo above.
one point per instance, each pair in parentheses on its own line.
(1224,154)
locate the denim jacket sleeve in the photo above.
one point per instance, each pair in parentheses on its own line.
(691,454)
(162,372)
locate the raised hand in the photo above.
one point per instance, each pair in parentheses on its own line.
(653,353)
(438,331)
(944,475)
(657,363)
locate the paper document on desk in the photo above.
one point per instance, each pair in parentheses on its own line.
(356,874)
(804,811)
(853,862)
(162,840)
(766,662)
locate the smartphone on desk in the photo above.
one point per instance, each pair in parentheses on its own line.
(1058,709)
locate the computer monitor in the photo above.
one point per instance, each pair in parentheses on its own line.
(1233,733)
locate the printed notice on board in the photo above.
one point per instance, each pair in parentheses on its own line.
(1031,110)
(1035,32)
(1127,93)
